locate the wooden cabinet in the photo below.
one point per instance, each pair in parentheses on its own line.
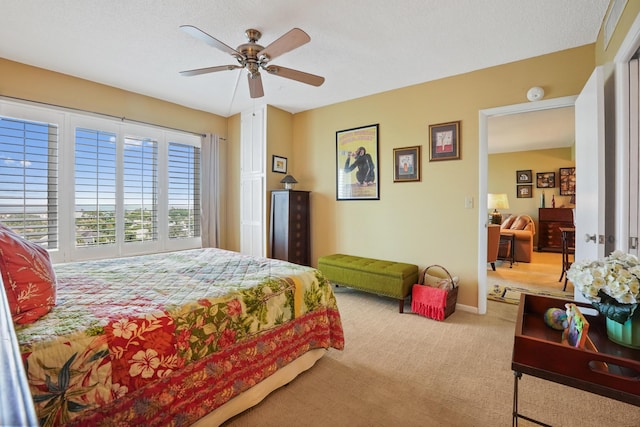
(289,236)
(550,220)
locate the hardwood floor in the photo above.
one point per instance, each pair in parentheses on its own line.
(542,272)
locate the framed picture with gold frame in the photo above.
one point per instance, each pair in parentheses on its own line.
(406,164)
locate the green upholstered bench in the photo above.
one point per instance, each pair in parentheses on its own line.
(387,278)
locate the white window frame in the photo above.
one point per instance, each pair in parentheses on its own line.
(67,122)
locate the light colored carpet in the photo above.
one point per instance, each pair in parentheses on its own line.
(407,370)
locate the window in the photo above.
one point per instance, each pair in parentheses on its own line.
(140,189)
(86,187)
(184,191)
(95,188)
(29,179)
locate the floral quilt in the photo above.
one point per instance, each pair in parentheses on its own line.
(164,339)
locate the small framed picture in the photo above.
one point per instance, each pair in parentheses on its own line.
(279,164)
(546,179)
(567,181)
(406,166)
(524,176)
(525,191)
(444,141)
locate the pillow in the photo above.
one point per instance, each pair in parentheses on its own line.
(440,282)
(520,223)
(28,277)
(506,224)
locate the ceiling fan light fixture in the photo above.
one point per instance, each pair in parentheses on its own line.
(253,56)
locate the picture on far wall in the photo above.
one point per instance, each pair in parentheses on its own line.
(357,164)
(546,179)
(525,191)
(567,181)
(406,166)
(524,176)
(444,140)
(279,164)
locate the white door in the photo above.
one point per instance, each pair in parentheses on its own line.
(594,230)
(253,183)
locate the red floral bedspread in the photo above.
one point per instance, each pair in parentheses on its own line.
(164,339)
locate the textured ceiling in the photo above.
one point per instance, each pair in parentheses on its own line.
(360,47)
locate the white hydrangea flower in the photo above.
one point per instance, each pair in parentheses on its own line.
(617,276)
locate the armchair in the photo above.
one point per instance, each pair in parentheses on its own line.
(493,243)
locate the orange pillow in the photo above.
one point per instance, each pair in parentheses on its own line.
(28,277)
(506,224)
(520,223)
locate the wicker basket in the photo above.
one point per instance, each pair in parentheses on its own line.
(433,302)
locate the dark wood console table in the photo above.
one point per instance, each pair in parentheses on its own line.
(609,370)
(549,222)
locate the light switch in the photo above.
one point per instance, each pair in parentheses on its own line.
(468,202)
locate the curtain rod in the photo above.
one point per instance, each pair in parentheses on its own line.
(106,115)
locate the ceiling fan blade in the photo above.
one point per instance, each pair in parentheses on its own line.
(210,40)
(189,73)
(255,85)
(301,76)
(287,42)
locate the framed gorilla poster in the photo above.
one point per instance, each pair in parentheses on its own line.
(357,164)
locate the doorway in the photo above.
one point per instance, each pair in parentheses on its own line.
(484,116)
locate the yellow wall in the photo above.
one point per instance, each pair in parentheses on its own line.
(279,142)
(423,222)
(501,178)
(36,84)
(232,206)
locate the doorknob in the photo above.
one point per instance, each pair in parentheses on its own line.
(590,237)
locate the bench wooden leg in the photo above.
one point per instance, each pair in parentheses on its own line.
(401,306)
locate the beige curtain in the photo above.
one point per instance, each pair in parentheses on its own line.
(210,191)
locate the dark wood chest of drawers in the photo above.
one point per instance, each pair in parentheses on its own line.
(289,236)
(550,220)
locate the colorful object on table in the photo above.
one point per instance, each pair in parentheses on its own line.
(575,335)
(556,318)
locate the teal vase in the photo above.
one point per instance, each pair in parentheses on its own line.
(627,334)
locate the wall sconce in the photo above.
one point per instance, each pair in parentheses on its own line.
(495,202)
(288,182)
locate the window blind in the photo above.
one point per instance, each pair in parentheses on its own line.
(95,187)
(29,179)
(184,191)
(140,189)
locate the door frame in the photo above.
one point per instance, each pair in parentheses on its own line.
(483,169)
(627,49)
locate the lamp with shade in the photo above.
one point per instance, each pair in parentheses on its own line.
(288,182)
(495,202)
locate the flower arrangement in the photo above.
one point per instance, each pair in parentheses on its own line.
(612,284)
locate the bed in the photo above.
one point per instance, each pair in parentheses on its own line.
(174,338)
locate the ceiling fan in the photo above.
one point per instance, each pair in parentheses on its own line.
(254,57)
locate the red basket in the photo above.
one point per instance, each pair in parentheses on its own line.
(431,302)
